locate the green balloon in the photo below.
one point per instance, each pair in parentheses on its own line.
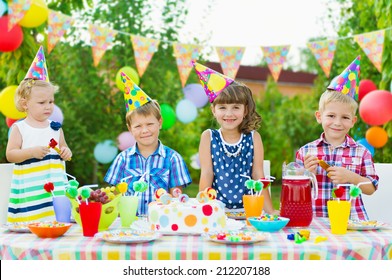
(130,72)
(168,116)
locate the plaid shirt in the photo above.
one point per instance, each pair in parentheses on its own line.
(165,168)
(350,155)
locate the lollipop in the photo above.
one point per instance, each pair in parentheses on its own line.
(85,193)
(53,144)
(49,187)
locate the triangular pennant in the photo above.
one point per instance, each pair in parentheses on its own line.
(348,81)
(134,96)
(230,59)
(372,44)
(38,69)
(275,57)
(17,10)
(212,81)
(144,48)
(184,55)
(324,52)
(58,24)
(101,39)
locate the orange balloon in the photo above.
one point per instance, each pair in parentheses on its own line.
(376,136)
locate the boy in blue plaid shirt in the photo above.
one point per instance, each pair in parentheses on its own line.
(159,166)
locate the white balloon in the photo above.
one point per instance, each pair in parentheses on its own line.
(186,111)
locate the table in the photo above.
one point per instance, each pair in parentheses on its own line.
(372,245)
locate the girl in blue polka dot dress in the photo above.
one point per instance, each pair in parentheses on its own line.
(234,152)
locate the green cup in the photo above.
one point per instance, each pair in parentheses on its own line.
(127,208)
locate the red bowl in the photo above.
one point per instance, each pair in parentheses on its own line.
(49,229)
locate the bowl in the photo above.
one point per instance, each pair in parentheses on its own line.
(108,215)
(268,225)
(49,229)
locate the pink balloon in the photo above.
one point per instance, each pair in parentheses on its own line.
(376,107)
(125,140)
(9,40)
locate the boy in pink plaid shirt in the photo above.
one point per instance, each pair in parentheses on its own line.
(350,162)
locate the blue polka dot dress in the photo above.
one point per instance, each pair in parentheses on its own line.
(229,161)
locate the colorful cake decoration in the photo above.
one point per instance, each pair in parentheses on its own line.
(134,96)
(213,82)
(348,81)
(38,69)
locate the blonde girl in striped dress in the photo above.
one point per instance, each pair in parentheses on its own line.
(35,163)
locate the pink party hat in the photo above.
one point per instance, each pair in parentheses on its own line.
(134,96)
(38,68)
(212,81)
(348,81)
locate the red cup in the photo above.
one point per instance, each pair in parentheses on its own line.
(90,215)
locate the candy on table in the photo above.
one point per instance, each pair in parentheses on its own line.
(49,187)
(268,217)
(177,192)
(53,144)
(298,239)
(183,198)
(290,236)
(211,193)
(166,199)
(158,193)
(304,233)
(221,236)
(319,239)
(49,224)
(202,197)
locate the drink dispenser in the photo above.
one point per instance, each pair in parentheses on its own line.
(297,195)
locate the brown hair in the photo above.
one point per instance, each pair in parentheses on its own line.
(23,92)
(241,94)
(150,108)
(335,96)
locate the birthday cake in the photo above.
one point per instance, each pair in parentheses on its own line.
(181,215)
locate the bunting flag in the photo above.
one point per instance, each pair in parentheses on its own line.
(372,44)
(58,24)
(16,11)
(144,49)
(230,59)
(275,57)
(101,39)
(324,52)
(184,55)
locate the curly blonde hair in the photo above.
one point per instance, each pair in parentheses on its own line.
(23,92)
(241,94)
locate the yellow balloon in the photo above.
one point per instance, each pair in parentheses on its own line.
(7,104)
(36,15)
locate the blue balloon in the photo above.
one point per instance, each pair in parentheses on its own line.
(366,144)
(3,8)
(105,151)
(186,111)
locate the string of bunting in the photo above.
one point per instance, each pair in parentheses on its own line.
(372,43)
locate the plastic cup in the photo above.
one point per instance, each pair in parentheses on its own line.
(90,215)
(339,213)
(127,208)
(62,209)
(253,206)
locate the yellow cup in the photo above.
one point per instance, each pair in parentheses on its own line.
(338,213)
(253,206)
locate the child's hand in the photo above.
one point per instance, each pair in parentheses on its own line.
(340,175)
(66,153)
(39,152)
(311,163)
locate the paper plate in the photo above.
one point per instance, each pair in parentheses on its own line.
(366,225)
(127,236)
(236,237)
(236,215)
(18,227)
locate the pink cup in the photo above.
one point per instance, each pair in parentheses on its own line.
(90,215)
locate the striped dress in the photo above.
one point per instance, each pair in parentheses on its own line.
(28,199)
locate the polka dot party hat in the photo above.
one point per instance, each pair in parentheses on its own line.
(212,81)
(348,81)
(38,70)
(134,96)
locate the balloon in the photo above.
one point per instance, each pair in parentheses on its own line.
(376,107)
(125,140)
(7,103)
(168,116)
(186,111)
(57,115)
(9,121)
(130,72)
(105,151)
(9,40)
(196,94)
(365,86)
(376,136)
(3,8)
(36,15)
(365,143)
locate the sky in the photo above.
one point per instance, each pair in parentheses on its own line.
(255,23)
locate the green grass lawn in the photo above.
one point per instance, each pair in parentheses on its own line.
(193,189)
